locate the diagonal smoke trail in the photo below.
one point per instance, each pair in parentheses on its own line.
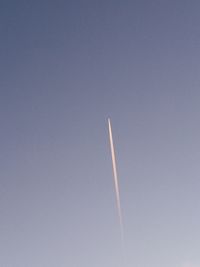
(116,180)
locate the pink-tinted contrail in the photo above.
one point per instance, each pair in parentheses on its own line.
(116,180)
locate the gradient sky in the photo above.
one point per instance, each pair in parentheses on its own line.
(65,67)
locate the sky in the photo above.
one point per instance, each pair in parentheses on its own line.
(65,67)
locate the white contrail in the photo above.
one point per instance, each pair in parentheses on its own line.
(116,180)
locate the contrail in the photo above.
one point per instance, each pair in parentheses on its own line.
(116,181)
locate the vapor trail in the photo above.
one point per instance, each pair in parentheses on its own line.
(116,180)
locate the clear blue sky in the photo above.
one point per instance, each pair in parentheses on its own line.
(65,67)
